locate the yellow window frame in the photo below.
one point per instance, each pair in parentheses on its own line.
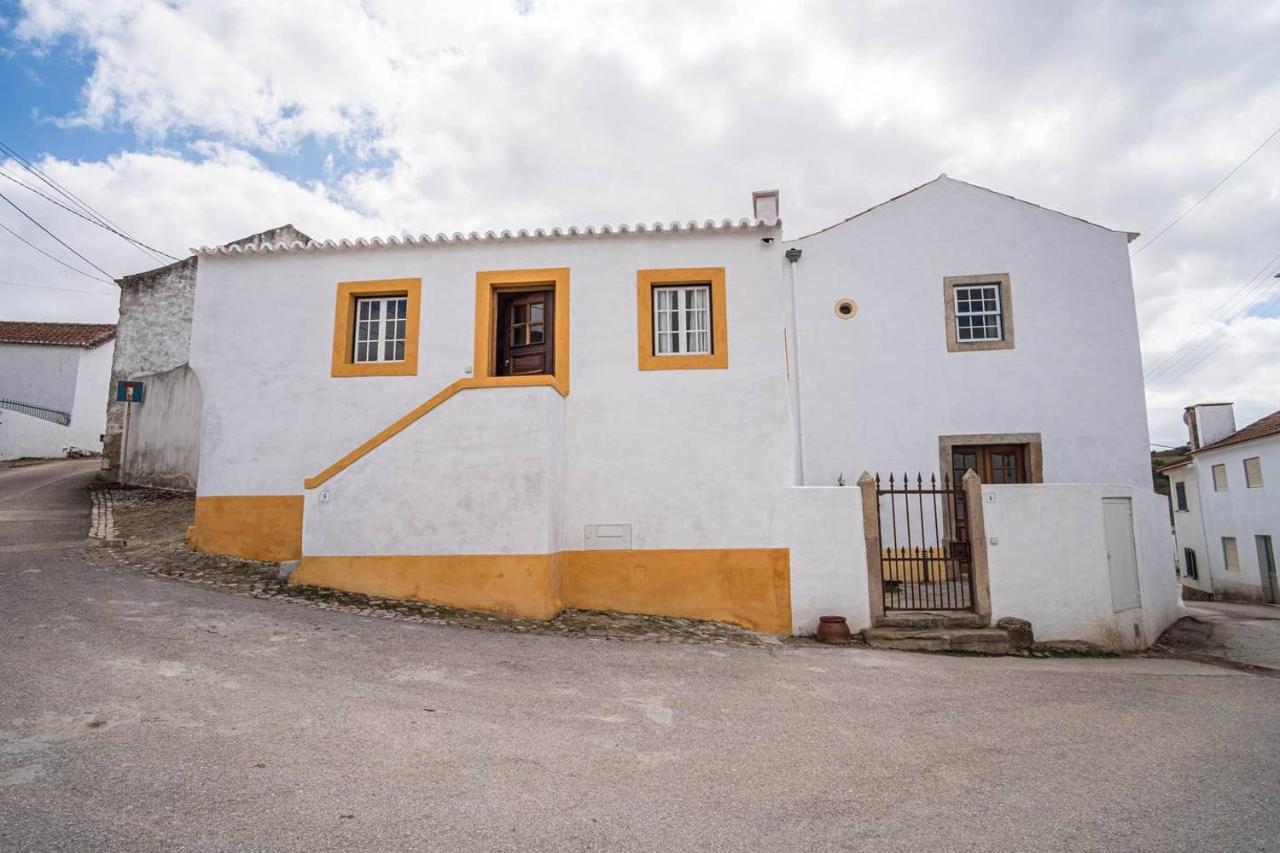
(646,281)
(344,363)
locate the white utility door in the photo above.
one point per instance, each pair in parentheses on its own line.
(1122,556)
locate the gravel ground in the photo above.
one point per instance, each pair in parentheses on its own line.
(141,714)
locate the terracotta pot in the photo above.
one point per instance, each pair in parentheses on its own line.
(833,629)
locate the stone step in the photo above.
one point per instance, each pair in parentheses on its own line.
(930,619)
(981,641)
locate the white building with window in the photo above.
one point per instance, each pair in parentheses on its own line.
(674,419)
(54,380)
(1226,515)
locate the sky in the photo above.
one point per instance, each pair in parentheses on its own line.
(193,123)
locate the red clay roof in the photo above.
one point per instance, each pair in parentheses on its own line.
(1261,428)
(87,335)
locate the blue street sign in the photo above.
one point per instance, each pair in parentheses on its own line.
(129,392)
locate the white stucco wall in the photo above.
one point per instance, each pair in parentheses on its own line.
(69,379)
(1188,526)
(878,390)
(1047,553)
(1240,512)
(164,431)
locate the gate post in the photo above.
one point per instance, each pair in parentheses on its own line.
(871,534)
(977,544)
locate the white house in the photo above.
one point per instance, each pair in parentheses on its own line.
(674,419)
(53,387)
(1226,516)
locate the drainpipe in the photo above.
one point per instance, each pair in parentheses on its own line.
(793,257)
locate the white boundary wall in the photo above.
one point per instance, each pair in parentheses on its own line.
(1048,563)
(70,379)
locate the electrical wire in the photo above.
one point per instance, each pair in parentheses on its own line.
(53,258)
(1202,198)
(54,287)
(65,244)
(150,251)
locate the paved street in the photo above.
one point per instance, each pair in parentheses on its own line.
(139,713)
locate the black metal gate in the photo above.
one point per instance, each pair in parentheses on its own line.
(926,562)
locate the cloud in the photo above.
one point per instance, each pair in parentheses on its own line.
(483,115)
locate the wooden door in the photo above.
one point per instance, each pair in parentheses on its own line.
(526,333)
(995,463)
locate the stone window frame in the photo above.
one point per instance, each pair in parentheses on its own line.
(949,285)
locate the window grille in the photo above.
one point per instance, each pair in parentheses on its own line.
(978,313)
(682,320)
(380,328)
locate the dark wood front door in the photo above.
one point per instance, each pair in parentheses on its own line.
(526,333)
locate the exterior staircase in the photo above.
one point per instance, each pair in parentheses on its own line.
(948,631)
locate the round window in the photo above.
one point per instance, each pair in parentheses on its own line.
(846,309)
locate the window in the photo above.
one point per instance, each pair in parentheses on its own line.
(380,328)
(682,319)
(1189,561)
(1230,554)
(1219,478)
(375,328)
(1180,494)
(1253,472)
(978,312)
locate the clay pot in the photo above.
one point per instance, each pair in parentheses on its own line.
(833,629)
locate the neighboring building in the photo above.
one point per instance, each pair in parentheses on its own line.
(53,387)
(400,416)
(1226,515)
(153,345)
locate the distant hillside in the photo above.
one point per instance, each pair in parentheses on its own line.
(1161,458)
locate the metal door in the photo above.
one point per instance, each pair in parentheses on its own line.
(1122,555)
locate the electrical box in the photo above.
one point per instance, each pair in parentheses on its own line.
(608,537)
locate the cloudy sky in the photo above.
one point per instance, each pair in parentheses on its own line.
(188,123)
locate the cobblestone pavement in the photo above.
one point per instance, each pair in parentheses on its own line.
(144,529)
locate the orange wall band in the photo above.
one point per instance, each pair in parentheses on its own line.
(258,527)
(744,586)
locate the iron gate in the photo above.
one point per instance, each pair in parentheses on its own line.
(926,562)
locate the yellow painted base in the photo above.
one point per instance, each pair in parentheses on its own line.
(524,585)
(750,587)
(257,527)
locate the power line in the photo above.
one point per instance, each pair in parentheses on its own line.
(53,258)
(1266,310)
(54,287)
(1226,178)
(150,251)
(1193,352)
(1190,342)
(70,196)
(36,222)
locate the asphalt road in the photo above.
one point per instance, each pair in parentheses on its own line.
(139,713)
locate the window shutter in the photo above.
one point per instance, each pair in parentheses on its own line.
(1219,478)
(1230,554)
(1253,472)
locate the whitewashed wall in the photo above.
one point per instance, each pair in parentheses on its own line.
(164,431)
(1240,512)
(879,389)
(685,457)
(1048,563)
(69,379)
(1188,526)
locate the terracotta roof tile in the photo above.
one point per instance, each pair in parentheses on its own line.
(87,335)
(1261,428)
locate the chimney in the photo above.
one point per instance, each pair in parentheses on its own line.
(1209,422)
(764,205)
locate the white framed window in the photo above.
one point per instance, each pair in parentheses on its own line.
(1253,472)
(380,328)
(1230,553)
(1219,478)
(682,320)
(979,316)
